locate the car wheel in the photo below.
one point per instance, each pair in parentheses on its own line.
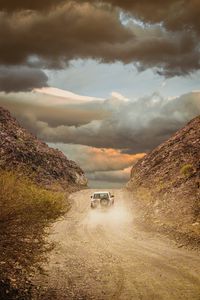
(93,206)
(105,202)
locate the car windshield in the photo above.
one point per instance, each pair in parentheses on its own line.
(101,196)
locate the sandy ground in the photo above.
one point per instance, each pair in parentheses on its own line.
(100,254)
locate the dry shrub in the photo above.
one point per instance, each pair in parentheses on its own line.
(26,211)
(187,170)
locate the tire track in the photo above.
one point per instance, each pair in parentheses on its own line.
(101,255)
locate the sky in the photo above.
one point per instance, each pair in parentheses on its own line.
(104,81)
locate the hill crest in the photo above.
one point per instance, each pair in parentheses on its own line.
(166,182)
(24,152)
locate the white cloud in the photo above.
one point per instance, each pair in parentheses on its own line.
(117,95)
(65,97)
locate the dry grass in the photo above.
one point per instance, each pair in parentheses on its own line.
(26,211)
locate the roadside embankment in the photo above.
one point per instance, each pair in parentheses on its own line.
(166,186)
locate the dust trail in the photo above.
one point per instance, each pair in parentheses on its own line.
(114,217)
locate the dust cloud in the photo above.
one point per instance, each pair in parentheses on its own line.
(113,218)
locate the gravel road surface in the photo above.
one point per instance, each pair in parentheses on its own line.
(100,254)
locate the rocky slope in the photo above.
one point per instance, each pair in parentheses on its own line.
(166,183)
(22,151)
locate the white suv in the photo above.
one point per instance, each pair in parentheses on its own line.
(103,199)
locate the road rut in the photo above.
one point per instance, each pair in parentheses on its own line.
(100,254)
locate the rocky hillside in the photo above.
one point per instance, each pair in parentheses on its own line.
(166,182)
(22,151)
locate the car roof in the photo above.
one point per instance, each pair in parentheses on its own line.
(102,192)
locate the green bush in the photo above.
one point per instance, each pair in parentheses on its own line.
(187,170)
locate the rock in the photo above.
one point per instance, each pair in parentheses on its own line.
(196,224)
(168,178)
(180,245)
(23,152)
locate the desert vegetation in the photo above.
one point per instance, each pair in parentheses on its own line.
(26,212)
(186,170)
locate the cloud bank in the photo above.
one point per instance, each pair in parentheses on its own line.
(36,110)
(15,79)
(98,159)
(174,14)
(101,165)
(133,126)
(150,34)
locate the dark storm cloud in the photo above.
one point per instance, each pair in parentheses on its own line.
(133,126)
(173,14)
(81,30)
(60,35)
(16,5)
(15,79)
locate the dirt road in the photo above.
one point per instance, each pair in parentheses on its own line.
(101,255)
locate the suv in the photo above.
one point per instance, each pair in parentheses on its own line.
(103,199)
